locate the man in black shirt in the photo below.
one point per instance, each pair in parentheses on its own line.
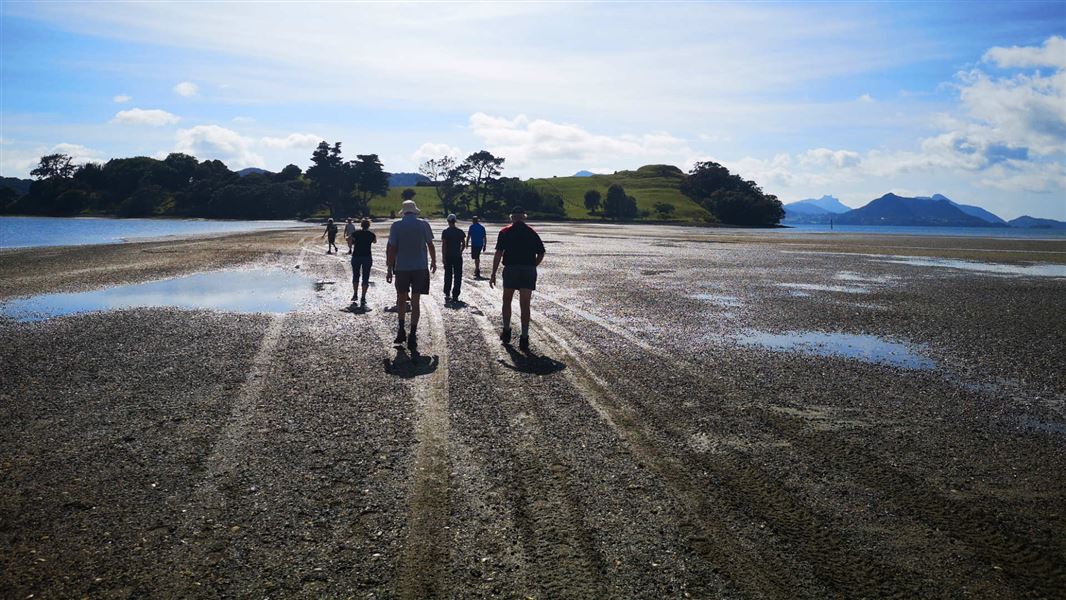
(331,232)
(453,242)
(361,258)
(521,250)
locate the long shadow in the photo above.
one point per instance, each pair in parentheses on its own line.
(409,366)
(356,309)
(531,363)
(456,305)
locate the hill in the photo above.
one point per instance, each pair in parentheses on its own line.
(1028,222)
(406,179)
(21,186)
(584,174)
(649,184)
(812,210)
(891,209)
(253,170)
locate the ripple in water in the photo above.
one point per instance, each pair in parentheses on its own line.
(867,348)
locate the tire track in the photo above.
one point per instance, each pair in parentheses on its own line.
(548,511)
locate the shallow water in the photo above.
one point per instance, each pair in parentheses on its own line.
(867,348)
(259,290)
(1035,270)
(816,287)
(32,232)
(723,300)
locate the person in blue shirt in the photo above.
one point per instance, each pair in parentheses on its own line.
(478,242)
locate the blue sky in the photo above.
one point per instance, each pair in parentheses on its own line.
(855,100)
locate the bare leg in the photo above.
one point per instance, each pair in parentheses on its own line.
(508,295)
(524,297)
(401,305)
(365,284)
(477,266)
(415,310)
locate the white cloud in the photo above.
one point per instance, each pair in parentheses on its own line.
(522,140)
(138,116)
(293,141)
(186,88)
(866,99)
(122,99)
(214,142)
(826,157)
(1051,54)
(431,150)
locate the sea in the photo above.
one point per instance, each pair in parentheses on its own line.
(984,232)
(34,232)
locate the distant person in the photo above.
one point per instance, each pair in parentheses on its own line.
(349,231)
(453,242)
(477,241)
(362,260)
(410,239)
(331,234)
(521,250)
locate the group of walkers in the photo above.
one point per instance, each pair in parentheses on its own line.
(411,257)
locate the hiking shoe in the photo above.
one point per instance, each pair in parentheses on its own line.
(355,297)
(412,343)
(401,337)
(362,302)
(505,336)
(523,343)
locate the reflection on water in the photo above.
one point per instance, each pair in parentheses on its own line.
(263,290)
(815,287)
(723,300)
(1035,270)
(867,348)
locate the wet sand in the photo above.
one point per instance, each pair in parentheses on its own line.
(651,448)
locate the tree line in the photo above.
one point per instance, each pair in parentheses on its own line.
(183,186)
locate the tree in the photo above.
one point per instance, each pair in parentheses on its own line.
(665,209)
(729,197)
(618,205)
(54,166)
(407,194)
(438,170)
(369,179)
(592,201)
(289,173)
(329,175)
(478,171)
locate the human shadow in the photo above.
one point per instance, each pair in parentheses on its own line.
(528,362)
(392,308)
(409,366)
(456,304)
(356,309)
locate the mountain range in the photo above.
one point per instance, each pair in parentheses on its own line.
(893,210)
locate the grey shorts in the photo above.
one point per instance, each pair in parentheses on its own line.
(520,277)
(413,282)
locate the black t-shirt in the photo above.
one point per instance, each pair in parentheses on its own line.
(453,242)
(520,245)
(361,241)
(331,230)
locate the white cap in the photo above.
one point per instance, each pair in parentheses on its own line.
(409,206)
(451,217)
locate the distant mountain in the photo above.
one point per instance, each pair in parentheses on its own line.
(814,210)
(253,170)
(891,209)
(974,211)
(1036,223)
(584,174)
(21,186)
(406,179)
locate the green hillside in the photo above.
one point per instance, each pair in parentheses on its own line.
(649,184)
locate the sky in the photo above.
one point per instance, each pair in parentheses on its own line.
(850,99)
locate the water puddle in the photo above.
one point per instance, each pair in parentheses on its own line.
(815,287)
(867,348)
(1042,426)
(261,290)
(1033,269)
(861,278)
(723,300)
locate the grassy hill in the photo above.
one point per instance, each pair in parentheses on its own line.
(649,185)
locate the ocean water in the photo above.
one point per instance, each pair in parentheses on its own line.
(31,232)
(988,232)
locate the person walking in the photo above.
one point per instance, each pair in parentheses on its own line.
(453,242)
(521,251)
(349,231)
(477,241)
(331,236)
(410,239)
(362,260)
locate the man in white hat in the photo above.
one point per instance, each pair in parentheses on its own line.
(452,244)
(410,239)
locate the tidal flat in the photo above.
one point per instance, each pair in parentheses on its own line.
(668,437)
